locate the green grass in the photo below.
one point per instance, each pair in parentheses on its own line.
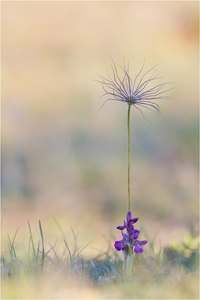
(159,273)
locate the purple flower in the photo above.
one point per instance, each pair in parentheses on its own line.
(138,246)
(120,245)
(129,222)
(130,238)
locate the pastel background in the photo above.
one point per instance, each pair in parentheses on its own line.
(61,159)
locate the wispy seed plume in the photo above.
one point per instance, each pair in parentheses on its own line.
(141,91)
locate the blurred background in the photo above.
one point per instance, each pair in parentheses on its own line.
(60,158)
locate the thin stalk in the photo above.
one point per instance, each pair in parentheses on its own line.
(129,157)
(31,240)
(128,264)
(42,239)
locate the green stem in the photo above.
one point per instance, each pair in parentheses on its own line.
(128,264)
(129,158)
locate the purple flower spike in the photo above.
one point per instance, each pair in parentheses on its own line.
(130,238)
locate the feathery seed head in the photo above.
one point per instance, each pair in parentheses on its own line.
(140,91)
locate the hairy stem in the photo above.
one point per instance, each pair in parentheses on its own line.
(129,158)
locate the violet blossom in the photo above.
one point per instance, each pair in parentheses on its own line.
(130,238)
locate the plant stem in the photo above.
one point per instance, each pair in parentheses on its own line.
(129,158)
(128,264)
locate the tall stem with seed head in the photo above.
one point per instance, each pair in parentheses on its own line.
(129,157)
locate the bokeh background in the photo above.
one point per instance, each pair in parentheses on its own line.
(63,160)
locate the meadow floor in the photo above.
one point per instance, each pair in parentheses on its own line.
(63,271)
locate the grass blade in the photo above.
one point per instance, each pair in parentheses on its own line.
(31,239)
(11,244)
(42,239)
(70,255)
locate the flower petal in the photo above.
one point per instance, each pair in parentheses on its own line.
(135,233)
(142,243)
(121,227)
(128,216)
(120,245)
(134,220)
(138,249)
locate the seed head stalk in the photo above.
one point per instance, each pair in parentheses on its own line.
(140,92)
(129,157)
